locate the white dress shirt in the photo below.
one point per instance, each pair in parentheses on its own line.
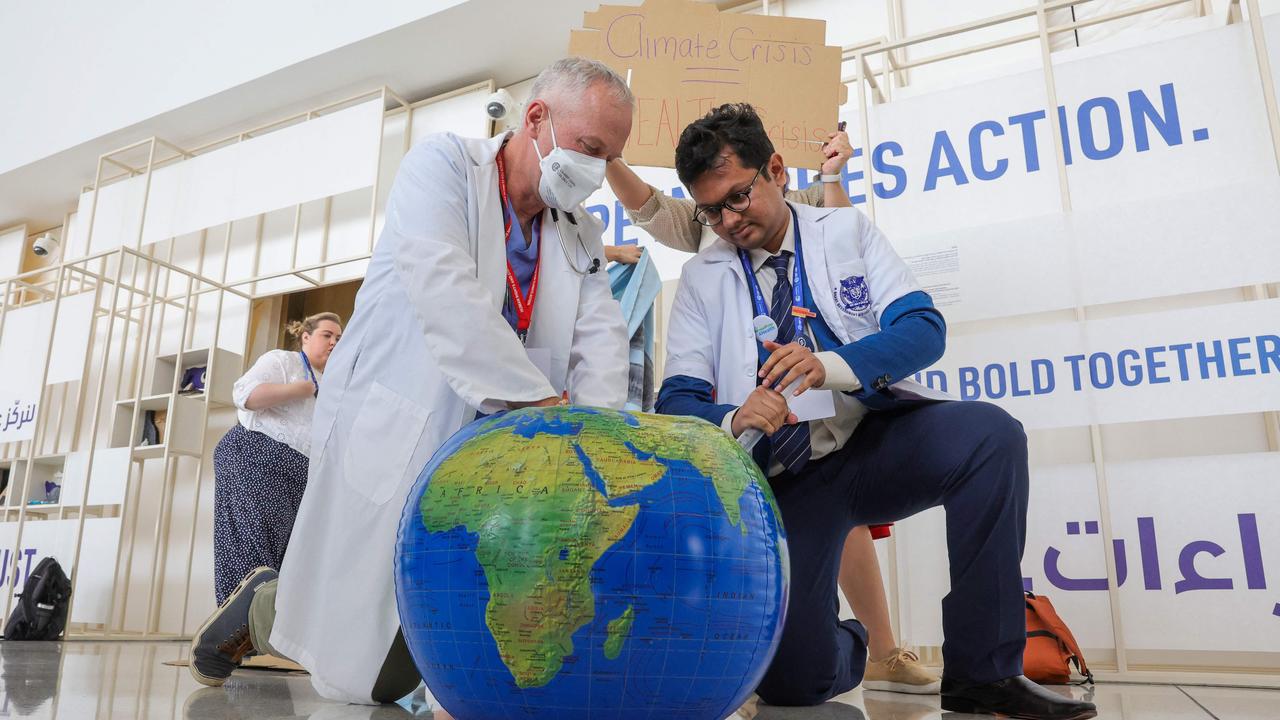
(830,434)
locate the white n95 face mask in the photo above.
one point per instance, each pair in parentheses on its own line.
(568,177)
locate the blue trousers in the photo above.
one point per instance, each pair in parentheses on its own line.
(968,457)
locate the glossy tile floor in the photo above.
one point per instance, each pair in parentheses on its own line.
(82,680)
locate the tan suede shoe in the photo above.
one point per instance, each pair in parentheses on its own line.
(900,672)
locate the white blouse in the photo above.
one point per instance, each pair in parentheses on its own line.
(289,423)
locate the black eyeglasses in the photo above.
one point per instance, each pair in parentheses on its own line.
(738,202)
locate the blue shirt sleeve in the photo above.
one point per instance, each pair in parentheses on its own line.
(685,395)
(913,336)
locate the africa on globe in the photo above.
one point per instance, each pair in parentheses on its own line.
(571,562)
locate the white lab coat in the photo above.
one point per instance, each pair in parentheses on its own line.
(709,333)
(426,347)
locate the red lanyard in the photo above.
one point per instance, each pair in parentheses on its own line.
(523,303)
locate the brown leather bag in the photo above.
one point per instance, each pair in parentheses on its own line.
(1051,648)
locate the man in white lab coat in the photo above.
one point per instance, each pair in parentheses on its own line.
(804,325)
(448,323)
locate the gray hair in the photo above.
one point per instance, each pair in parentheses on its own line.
(573,75)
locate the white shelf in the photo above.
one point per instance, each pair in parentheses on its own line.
(43,468)
(151,452)
(226,370)
(183,425)
(39,513)
(151,402)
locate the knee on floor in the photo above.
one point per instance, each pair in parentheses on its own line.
(793,694)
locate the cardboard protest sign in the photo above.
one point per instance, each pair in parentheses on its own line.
(684,58)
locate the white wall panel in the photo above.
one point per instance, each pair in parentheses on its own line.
(1215,360)
(1059,495)
(924,16)
(115,216)
(1229,535)
(56,538)
(71,338)
(1177,244)
(101,85)
(330,154)
(12,248)
(1204,571)
(1211,77)
(26,340)
(327,155)
(461,114)
(927,149)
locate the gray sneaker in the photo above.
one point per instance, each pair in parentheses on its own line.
(223,641)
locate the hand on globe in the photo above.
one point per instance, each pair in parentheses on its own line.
(765,410)
(544,402)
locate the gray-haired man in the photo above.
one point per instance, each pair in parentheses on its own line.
(439,336)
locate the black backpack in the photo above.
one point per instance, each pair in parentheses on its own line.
(41,612)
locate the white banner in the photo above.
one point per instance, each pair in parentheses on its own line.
(1216,360)
(1157,247)
(23,344)
(18,412)
(1059,495)
(1202,575)
(26,339)
(1200,539)
(56,538)
(329,155)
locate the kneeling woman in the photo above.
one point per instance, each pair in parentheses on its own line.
(260,465)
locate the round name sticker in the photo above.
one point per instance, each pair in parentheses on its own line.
(766,329)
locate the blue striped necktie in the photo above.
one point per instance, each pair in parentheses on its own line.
(791,444)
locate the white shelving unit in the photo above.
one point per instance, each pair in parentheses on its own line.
(183,426)
(226,369)
(6,478)
(43,469)
(110,474)
(184,413)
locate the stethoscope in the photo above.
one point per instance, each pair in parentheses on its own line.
(594,266)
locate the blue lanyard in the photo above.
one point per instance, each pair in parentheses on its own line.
(797,283)
(307,364)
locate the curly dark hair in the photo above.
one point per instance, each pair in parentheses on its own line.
(736,125)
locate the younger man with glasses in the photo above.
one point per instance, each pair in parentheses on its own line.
(849,318)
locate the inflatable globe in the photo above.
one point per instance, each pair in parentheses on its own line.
(571,562)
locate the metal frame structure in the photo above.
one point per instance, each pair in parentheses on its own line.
(129,284)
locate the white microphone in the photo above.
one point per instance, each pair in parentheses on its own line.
(766,331)
(751,436)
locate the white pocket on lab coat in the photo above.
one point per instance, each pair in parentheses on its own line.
(851,293)
(381,443)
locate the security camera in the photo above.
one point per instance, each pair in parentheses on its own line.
(44,245)
(499,105)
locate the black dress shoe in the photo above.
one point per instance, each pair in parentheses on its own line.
(1015,697)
